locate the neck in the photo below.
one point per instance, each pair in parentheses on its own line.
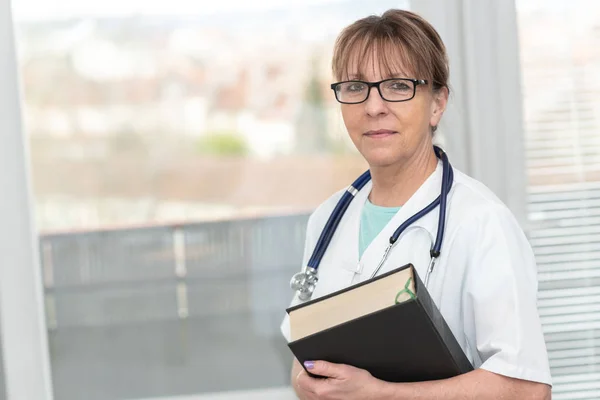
(394,184)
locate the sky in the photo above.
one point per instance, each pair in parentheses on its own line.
(45,10)
(33,10)
(36,10)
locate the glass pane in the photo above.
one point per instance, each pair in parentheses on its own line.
(560,55)
(177,149)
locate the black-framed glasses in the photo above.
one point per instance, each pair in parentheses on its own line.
(394,90)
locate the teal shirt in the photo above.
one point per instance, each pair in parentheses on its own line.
(372,220)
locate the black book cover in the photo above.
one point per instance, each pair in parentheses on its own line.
(406,342)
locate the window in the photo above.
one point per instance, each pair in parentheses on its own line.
(163,138)
(560,55)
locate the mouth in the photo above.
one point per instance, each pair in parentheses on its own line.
(379,134)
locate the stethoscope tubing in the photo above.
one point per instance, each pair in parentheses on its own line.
(309,276)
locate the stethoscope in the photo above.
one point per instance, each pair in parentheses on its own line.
(305,282)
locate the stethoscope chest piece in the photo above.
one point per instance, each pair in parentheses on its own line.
(304,283)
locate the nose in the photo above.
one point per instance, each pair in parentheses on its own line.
(375,105)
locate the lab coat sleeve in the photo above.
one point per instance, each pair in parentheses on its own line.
(500,299)
(309,245)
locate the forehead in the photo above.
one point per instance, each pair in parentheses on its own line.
(376,60)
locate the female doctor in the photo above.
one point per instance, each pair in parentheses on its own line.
(392,74)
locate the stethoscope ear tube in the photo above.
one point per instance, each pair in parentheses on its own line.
(447,179)
(335,218)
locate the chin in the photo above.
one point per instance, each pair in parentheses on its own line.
(382,160)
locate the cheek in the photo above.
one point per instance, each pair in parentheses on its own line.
(412,116)
(351,117)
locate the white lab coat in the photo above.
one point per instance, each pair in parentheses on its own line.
(484,282)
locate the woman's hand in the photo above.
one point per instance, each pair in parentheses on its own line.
(341,382)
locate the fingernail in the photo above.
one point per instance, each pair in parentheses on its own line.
(309,364)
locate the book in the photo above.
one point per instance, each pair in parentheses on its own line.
(387,325)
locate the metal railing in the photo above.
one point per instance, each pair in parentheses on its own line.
(170,272)
(162,311)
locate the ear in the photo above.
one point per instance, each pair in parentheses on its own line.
(439,102)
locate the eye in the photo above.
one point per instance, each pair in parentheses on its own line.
(399,86)
(354,87)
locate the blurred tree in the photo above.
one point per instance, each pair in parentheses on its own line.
(223,144)
(312,135)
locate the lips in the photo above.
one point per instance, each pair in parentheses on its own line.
(380,133)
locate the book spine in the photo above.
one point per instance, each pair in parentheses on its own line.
(435,316)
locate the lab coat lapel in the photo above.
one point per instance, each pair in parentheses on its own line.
(427,193)
(348,229)
(340,262)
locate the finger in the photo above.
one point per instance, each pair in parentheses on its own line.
(327,369)
(305,383)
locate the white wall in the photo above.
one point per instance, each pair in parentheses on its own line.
(22,321)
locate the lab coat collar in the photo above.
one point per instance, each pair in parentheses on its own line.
(426,193)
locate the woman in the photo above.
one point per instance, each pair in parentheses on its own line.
(484,282)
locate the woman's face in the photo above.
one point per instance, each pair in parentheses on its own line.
(392,133)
